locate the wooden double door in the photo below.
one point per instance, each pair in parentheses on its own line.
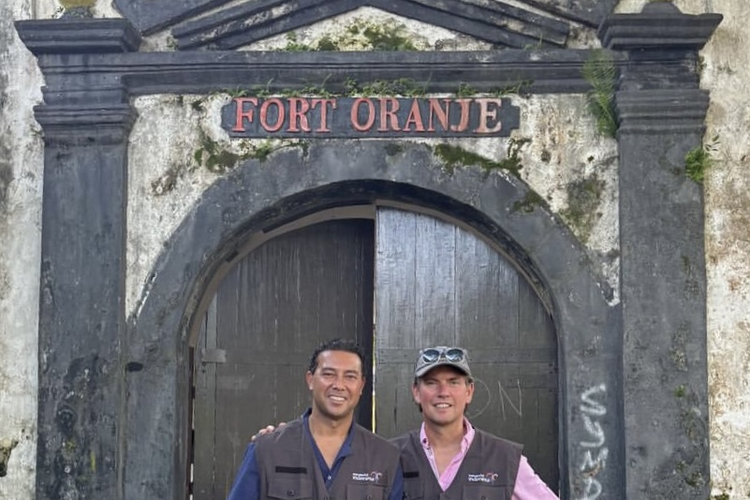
(395,281)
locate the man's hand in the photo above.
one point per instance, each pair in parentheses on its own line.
(267,429)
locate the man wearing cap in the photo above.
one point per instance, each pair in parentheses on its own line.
(447,458)
(324,454)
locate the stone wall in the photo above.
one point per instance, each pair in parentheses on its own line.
(20,221)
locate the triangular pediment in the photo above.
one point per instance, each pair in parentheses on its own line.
(232,24)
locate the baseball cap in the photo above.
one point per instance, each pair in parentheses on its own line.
(433,357)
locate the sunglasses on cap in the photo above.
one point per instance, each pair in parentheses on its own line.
(453,354)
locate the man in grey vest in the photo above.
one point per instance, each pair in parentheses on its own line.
(447,458)
(324,454)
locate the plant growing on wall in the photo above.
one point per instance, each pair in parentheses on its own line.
(700,159)
(599,71)
(358,35)
(455,156)
(77,8)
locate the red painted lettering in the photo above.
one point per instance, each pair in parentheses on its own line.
(388,116)
(242,114)
(440,113)
(414,118)
(355,114)
(298,107)
(324,103)
(279,116)
(464,122)
(485,114)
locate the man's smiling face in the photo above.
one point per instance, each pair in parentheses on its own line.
(443,393)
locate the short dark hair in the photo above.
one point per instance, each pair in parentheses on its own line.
(346,345)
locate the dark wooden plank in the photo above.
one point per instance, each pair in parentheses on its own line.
(395,260)
(435,276)
(203,410)
(487,293)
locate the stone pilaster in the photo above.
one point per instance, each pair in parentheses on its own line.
(661,112)
(85,120)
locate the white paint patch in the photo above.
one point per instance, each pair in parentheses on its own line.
(164,179)
(20,250)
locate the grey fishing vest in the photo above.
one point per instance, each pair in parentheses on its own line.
(488,471)
(289,470)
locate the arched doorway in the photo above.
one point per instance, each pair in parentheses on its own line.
(395,279)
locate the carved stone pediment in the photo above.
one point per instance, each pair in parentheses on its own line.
(227,24)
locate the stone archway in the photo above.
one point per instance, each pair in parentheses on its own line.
(587,326)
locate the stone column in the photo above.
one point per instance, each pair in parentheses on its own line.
(661,113)
(86,119)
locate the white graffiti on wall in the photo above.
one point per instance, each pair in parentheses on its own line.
(595,453)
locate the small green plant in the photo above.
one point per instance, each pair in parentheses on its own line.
(406,87)
(520,88)
(465,90)
(172,43)
(358,35)
(384,37)
(680,391)
(294,45)
(600,72)
(701,158)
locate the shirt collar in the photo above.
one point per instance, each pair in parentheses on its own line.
(346,448)
(466,440)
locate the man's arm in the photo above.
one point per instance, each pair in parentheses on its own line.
(529,486)
(397,490)
(247,482)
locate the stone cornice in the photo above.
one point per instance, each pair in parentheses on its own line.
(660,26)
(78,36)
(663,111)
(141,73)
(85,125)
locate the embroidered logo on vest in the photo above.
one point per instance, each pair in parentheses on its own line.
(371,477)
(487,477)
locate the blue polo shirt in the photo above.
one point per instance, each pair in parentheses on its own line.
(247,483)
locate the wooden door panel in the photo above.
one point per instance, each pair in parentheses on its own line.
(271,311)
(452,288)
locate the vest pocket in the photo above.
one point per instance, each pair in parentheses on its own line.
(290,488)
(364,492)
(483,492)
(413,489)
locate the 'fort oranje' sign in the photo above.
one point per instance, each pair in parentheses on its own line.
(369,117)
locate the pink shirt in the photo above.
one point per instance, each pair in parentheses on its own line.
(529,486)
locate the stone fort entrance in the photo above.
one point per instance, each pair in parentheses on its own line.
(115,415)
